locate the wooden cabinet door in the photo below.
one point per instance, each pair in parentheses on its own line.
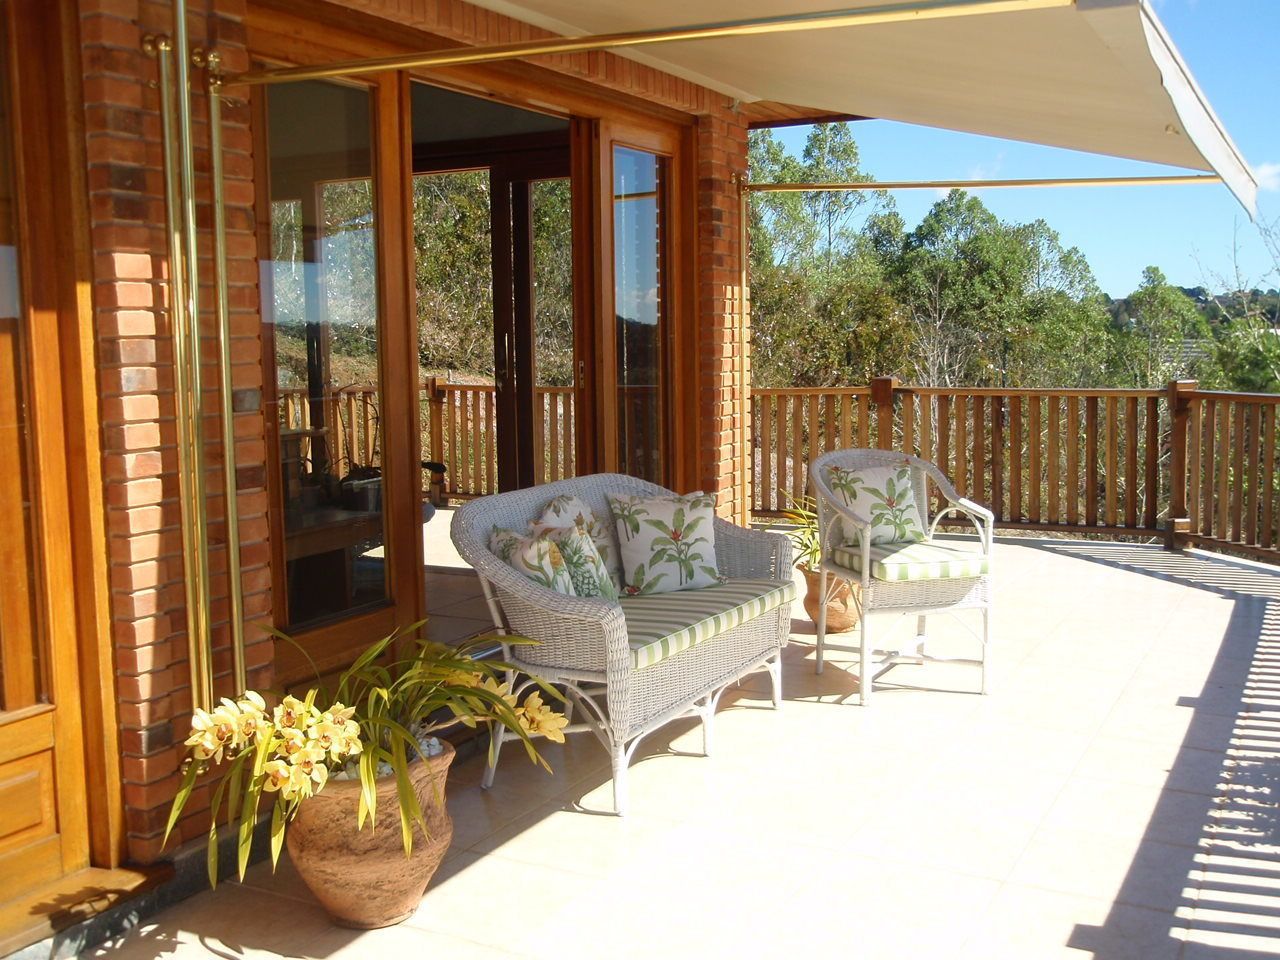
(43,824)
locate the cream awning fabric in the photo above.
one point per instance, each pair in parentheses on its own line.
(1097,75)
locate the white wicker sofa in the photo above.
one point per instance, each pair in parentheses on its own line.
(629,667)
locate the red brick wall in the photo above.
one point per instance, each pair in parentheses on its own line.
(722,167)
(122,133)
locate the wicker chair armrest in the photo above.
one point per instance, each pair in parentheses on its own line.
(755,554)
(983,520)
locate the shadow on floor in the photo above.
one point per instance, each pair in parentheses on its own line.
(1229,905)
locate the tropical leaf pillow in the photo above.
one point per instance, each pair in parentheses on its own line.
(537,557)
(582,559)
(885,497)
(667,542)
(567,510)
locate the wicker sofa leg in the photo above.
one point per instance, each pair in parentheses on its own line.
(774,666)
(822,616)
(621,759)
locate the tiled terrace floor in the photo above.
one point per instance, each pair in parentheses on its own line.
(1114,796)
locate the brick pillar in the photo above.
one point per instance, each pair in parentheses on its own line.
(127,213)
(722,164)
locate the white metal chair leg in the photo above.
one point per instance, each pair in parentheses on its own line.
(921,634)
(708,711)
(620,759)
(822,615)
(491,765)
(986,644)
(864,663)
(775,675)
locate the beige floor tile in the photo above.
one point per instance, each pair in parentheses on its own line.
(1025,923)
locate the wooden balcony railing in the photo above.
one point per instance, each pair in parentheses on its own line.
(458,425)
(1187,465)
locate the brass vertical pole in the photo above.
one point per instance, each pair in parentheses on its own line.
(194,353)
(231,513)
(195,579)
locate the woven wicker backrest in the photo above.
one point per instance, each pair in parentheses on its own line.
(860,458)
(474,521)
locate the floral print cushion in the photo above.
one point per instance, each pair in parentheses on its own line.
(667,542)
(538,557)
(582,559)
(567,510)
(885,497)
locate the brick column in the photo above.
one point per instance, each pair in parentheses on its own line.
(127,213)
(723,351)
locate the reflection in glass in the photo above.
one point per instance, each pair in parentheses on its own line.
(21,671)
(638,179)
(321,296)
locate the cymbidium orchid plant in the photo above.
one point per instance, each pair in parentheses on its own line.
(289,750)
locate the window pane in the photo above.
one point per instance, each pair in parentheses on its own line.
(21,672)
(638,180)
(321,296)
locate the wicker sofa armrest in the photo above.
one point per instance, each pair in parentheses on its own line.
(751,554)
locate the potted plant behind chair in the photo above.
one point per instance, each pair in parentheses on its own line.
(333,774)
(842,608)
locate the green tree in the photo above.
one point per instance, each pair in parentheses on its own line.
(1165,337)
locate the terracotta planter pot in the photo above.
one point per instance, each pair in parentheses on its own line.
(842,612)
(362,877)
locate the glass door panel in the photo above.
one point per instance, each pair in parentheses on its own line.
(555,386)
(320,291)
(639,181)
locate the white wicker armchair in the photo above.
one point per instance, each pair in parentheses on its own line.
(582,642)
(928,592)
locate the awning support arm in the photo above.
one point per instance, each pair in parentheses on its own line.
(782,23)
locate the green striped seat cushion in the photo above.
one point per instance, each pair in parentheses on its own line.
(915,561)
(660,625)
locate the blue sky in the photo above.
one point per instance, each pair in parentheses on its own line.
(1233,49)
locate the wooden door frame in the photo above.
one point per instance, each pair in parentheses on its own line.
(680,365)
(51,166)
(332,645)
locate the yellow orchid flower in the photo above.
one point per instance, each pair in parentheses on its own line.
(292,713)
(277,774)
(212,731)
(537,717)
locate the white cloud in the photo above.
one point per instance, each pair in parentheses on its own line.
(1268,177)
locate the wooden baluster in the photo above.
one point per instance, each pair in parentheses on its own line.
(1091,461)
(846,410)
(1131,462)
(1071,436)
(762,412)
(352,439)
(1153,462)
(491,437)
(1237,488)
(909,423)
(864,421)
(1015,459)
(1111,433)
(961,479)
(366,417)
(571,434)
(780,453)
(1268,476)
(798,479)
(1055,504)
(1034,456)
(1209,484)
(554,471)
(1251,475)
(1195,481)
(978,459)
(882,391)
(997,458)
(944,437)
(829,422)
(1223,531)
(926,428)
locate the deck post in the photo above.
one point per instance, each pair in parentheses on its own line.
(882,395)
(1179,403)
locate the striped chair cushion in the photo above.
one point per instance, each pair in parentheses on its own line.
(661,625)
(915,561)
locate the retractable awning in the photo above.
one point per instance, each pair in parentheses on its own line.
(1095,75)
